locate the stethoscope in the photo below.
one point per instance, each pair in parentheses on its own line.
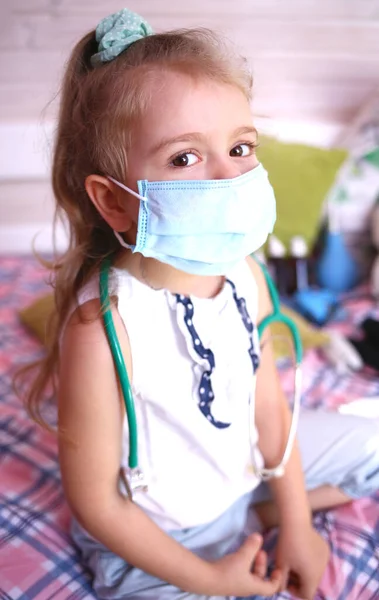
(133,477)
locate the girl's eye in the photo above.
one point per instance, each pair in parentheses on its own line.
(242,150)
(187,159)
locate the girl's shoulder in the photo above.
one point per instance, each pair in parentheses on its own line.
(263,295)
(84,326)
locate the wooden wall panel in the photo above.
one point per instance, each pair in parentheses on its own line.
(313,60)
(330,46)
(26,201)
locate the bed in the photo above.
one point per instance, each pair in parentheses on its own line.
(37,558)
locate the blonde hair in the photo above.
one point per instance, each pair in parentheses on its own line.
(98,106)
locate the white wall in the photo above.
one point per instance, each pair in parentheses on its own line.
(316,58)
(315,62)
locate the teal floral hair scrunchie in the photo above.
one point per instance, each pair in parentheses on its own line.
(117,32)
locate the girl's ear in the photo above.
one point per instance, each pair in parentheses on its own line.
(118,208)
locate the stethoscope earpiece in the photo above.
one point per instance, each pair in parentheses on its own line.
(267,474)
(133,480)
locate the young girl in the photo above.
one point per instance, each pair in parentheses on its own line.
(155,170)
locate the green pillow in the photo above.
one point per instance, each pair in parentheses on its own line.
(301,177)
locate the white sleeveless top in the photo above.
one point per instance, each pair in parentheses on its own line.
(193,365)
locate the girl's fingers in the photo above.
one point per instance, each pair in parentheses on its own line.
(294,580)
(260,564)
(269,587)
(284,583)
(294,584)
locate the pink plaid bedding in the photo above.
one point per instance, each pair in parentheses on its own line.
(37,558)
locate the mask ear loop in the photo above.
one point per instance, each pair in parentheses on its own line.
(126,188)
(122,241)
(139,197)
(132,477)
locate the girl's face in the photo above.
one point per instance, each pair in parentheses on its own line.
(193,129)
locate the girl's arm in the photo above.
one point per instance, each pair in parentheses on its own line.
(273,419)
(90,421)
(301,553)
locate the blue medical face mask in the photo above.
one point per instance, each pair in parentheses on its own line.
(203,227)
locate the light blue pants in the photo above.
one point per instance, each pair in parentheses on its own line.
(339,450)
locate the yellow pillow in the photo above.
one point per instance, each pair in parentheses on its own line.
(301,177)
(311,337)
(36,315)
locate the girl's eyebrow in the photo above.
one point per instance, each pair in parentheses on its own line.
(183,137)
(196,137)
(245,129)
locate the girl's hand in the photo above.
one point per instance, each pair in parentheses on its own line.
(243,572)
(302,557)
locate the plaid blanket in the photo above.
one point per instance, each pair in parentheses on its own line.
(37,558)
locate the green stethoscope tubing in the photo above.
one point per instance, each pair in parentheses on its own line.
(118,359)
(119,362)
(278,316)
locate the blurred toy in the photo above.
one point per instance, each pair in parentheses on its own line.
(367,345)
(374,277)
(351,199)
(278,264)
(316,304)
(299,251)
(292,273)
(337,270)
(290,269)
(342,354)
